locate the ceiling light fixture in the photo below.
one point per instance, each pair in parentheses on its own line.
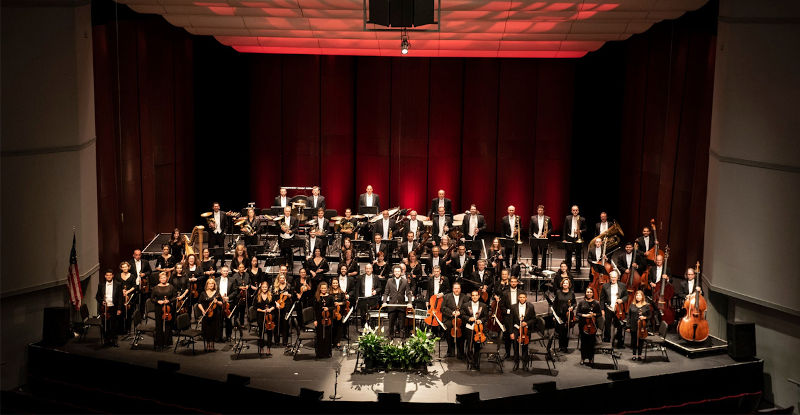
(404,43)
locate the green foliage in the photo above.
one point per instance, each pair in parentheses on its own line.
(416,353)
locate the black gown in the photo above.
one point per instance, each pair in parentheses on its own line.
(633,319)
(263,303)
(588,340)
(561,303)
(128,310)
(281,324)
(163,332)
(211,324)
(323,267)
(338,326)
(322,345)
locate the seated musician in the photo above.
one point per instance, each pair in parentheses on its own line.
(539,229)
(413,225)
(368,200)
(377,247)
(385,226)
(483,279)
(613,293)
(475,312)
(369,289)
(451,314)
(316,201)
(321,223)
(435,260)
(282,200)
(441,202)
(462,263)
(473,224)
(109,307)
(657,271)
(522,315)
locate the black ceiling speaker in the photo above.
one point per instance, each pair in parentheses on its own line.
(401,13)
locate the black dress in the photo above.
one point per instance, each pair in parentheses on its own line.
(352,267)
(163,331)
(211,324)
(181,283)
(281,324)
(338,326)
(129,308)
(263,304)
(322,345)
(323,268)
(177,249)
(561,303)
(306,297)
(235,263)
(162,263)
(588,340)
(633,319)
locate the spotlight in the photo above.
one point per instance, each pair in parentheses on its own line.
(404,44)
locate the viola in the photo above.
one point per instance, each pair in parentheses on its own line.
(479,335)
(194,291)
(128,301)
(641,327)
(346,307)
(104,311)
(693,326)
(485,295)
(456,330)
(435,309)
(326,317)
(524,338)
(590,325)
(166,311)
(144,285)
(226,308)
(619,310)
(268,323)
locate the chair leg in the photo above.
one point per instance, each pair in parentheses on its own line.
(177,340)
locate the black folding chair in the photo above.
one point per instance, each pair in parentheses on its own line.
(184,330)
(88,322)
(307,332)
(659,342)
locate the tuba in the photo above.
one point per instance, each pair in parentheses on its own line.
(612,235)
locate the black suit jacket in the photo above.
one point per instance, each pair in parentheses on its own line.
(449,306)
(277,201)
(233,287)
(591,255)
(325,223)
(352,289)
(528,318)
(402,248)
(682,286)
(394,294)
(377,285)
(377,227)
(567,229)
(145,267)
(488,280)
(478,230)
(622,264)
(116,295)
(293,223)
(605,294)
(429,266)
(321,243)
(376,200)
(320,202)
(447,220)
(444,286)
(483,312)
(597,227)
(434,210)
(652,275)
(373,256)
(407,228)
(468,265)
(533,227)
(650,240)
(508,227)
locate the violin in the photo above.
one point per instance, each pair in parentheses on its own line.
(104,312)
(590,325)
(226,308)
(281,303)
(326,317)
(346,307)
(693,326)
(268,323)
(456,330)
(479,335)
(144,285)
(434,309)
(524,338)
(641,327)
(211,307)
(619,310)
(194,291)
(128,301)
(166,311)
(337,314)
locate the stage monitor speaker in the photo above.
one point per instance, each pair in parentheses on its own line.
(310,394)
(742,340)
(544,386)
(401,13)
(388,398)
(619,375)
(238,380)
(469,398)
(168,366)
(55,326)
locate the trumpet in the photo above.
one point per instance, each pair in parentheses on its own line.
(578,230)
(516,230)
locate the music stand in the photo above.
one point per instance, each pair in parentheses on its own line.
(364,210)
(474,246)
(391,246)
(275,211)
(360,246)
(329,213)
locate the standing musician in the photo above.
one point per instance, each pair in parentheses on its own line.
(240,256)
(539,229)
(228,292)
(348,218)
(501,283)
(443,202)
(475,312)
(245,288)
(109,301)
(412,225)
(574,225)
(218,227)
(264,304)
(588,310)
(339,296)
(646,241)
(397,291)
(282,200)
(196,278)
(435,260)
(368,200)
(141,269)
(437,283)
(377,246)
(625,261)
(315,240)
(315,200)
(323,302)
(603,225)
(640,310)
(351,263)
(564,303)
(129,290)
(508,300)
(452,305)
(282,287)
(522,315)
(385,226)
(483,279)
(288,225)
(595,256)
(561,274)
(317,268)
(441,225)
(511,225)
(407,247)
(180,281)
(251,235)
(210,319)
(613,293)
(381,267)
(369,289)
(177,245)
(462,263)
(496,258)
(255,274)
(473,224)
(166,262)
(347,283)
(321,223)
(303,289)
(164,296)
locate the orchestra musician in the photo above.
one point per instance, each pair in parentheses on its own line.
(217,228)
(603,225)
(501,283)
(435,260)
(562,273)
(639,310)
(646,242)
(377,246)
(255,274)
(210,324)
(397,291)
(263,304)
(588,310)
(563,303)
(574,225)
(321,223)
(166,262)
(475,312)
(209,271)
(407,247)
(508,299)
(369,289)
(539,229)
(340,297)
(164,293)
(288,225)
(441,225)
(443,202)
(510,230)
(437,283)
(473,224)
(316,201)
(303,289)
(482,278)
(462,263)
(624,260)
(282,200)
(452,305)
(495,255)
(414,273)
(381,267)
(657,270)
(689,285)
(129,290)
(109,303)
(368,200)
(522,315)
(384,226)
(613,293)
(351,263)
(251,237)
(141,269)
(240,256)
(412,225)
(317,267)
(348,218)
(195,274)
(323,301)
(347,245)
(228,293)
(245,287)
(181,283)
(315,241)
(282,286)
(177,245)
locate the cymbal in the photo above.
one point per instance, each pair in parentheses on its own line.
(240,222)
(375,218)
(206,214)
(357,216)
(459,217)
(337,218)
(311,222)
(427,223)
(423,218)
(299,203)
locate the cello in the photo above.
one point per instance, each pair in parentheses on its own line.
(634,278)
(599,279)
(693,326)
(663,293)
(434,311)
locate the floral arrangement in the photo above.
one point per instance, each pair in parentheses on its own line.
(378,352)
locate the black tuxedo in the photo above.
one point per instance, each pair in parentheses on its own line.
(351,290)
(573,248)
(407,228)
(448,207)
(682,286)
(377,227)
(325,223)
(509,227)
(592,254)
(481,225)
(448,221)
(111,327)
(654,272)
(429,266)
(116,294)
(145,268)
(481,315)
(650,240)
(539,245)
(488,280)
(362,201)
(365,303)
(373,256)
(467,266)
(449,305)
(395,293)
(619,259)
(444,286)
(319,242)
(516,320)
(277,201)
(610,317)
(402,248)
(597,227)
(320,202)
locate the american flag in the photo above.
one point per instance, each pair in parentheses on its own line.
(74,278)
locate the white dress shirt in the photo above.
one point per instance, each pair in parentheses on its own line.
(442,222)
(512,293)
(540,221)
(521,310)
(614,293)
(223,286)
(512,221)
(109,295)
(658,274)
(218,220)
(367,285)
(574,226)
(343,283)
(436,286)
(385,228)
(283,201)
(473,224)
(369,199)
(603,226)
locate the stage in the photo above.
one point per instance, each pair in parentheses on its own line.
(442,387)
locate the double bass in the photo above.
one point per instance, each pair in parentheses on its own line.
(654,251)
(599,279)
(662,295)
(693,326)
(634,279)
